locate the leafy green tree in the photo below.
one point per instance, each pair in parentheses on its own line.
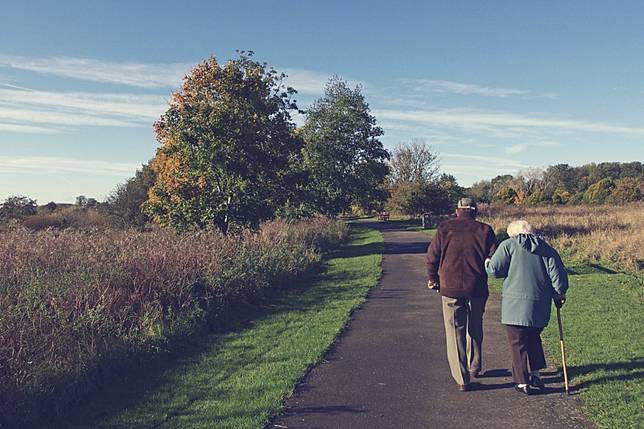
(498,184)
(506,195)
(127,199)
(628,189)
(561,195)
(413,166)
(84,202)
(343,156)
(413,162)
(405,197)
(481,191)
(451,192)
(535,198)
(17,207)
(227,146)
(560,177)
(632,169)
(437,197)
(598,193)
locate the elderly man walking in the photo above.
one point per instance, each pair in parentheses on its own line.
(455,264)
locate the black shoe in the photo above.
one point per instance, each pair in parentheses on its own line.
(526,390)
(536,382)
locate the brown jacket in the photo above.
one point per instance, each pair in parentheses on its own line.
(455,259)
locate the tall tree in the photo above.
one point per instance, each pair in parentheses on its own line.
(343,156)
(415,185)
(226,144)
(413,162)
(413,167)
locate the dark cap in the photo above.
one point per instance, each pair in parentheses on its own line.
(466,203)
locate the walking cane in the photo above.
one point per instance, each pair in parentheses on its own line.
(563,350)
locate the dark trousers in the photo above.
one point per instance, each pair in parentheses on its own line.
(526,348)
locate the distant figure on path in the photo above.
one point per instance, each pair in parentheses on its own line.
(455,264)
(534,276)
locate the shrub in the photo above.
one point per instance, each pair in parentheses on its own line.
(535,198)
(74,217)
(598,193)
(627,190)
(17,207)
(506,195)
(74,303)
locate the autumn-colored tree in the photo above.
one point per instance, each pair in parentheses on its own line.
(226,144)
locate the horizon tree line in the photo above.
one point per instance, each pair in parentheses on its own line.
(231,156)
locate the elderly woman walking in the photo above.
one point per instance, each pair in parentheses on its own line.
(534,276)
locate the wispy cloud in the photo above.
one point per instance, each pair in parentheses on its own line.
(306,81)
(14,116)
(25,111)
(144,75)
(8,85)
(142,106)
(472,167)
(485,121)
(451,87)
(66,165)
(522,147)
(26,129)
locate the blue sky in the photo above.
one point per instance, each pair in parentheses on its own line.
(494,87)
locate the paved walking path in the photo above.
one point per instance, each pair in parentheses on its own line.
(389,368)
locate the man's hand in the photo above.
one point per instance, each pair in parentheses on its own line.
(433,285)
(559,300)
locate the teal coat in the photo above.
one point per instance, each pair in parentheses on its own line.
(533,273)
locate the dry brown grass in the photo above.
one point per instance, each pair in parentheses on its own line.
(73,302)
(611,235)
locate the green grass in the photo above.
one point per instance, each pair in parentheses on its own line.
(411,225)
(239,379)
(603,320)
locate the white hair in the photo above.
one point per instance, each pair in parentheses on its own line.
(519,227)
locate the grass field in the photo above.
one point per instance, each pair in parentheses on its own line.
(602,320)
(240,378)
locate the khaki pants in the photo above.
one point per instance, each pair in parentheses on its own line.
(463,318)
